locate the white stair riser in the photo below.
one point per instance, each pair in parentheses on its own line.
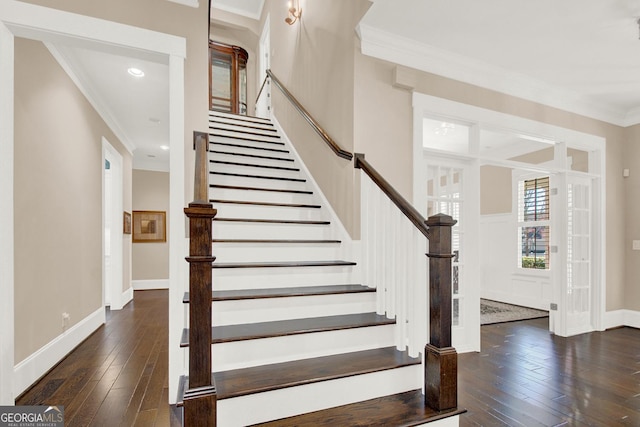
(222,115)
(221,155)
(273,309)
(291,401)
(246,149)
(261,196)
(242,129)
(268,252)
(262,140)
(277,184)
(218,121)
(249,230)
(229,210)
(250,170)
(248,142)
(281,277)
(244,354)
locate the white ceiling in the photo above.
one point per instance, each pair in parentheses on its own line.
(135,108)
(582,55)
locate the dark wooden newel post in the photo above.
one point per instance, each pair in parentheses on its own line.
(200,397)
(441,359)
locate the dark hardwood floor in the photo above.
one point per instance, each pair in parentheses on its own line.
(117,376)
(522,377)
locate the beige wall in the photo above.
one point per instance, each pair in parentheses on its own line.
(58,200)
(495,190)
(314,59)
(632,216)
(151,193)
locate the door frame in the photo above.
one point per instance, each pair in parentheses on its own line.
(114,210)
(427,106)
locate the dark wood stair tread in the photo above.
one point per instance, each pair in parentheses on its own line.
(245,138)
(281,328)
(218,123)
(242,175)
(228,144)
(282,205)
(251,165)
(283,264)
(245,132)
(273,221)
(273,190)
(398,410)
(242,382)
(253,156)
(241,117)
(282,241)
(298,291)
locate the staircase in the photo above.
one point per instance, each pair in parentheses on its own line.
(296,339)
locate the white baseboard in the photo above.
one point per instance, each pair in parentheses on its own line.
(617,318)
(142,285)
(36,365)
(127,296)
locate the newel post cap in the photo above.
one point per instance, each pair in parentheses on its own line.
(440,220)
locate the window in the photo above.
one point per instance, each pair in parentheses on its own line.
(533,223)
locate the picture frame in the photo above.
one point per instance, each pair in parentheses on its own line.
(126,223)
(149,226)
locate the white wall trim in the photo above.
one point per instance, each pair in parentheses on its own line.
(617,318)
(317,190)
(37,364)
(408,52)
(79,78)
(237,11)
(142,285)
(126,296)
(6,217)
(190,3)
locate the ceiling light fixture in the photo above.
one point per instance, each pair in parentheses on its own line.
(294,12)
(164,147)
(135,72)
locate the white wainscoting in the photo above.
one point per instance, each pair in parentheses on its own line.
(36,365)
(500,278)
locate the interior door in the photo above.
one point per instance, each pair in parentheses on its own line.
(579,279)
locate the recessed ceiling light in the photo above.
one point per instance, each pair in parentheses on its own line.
(164,147)
(136,72)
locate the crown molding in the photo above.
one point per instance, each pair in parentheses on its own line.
(237,11)
(191,3)
(83,84)
(390,47)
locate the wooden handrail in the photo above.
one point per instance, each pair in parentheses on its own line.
(314,124)
(264,83)
(405,207)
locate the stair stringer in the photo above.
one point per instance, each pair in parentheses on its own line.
(352,245)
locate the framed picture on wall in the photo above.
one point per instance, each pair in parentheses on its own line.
(126,223)
(149,226)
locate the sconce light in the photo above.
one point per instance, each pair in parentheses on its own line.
(294,12)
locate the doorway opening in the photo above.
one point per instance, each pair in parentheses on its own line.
(528,198)
(112,218)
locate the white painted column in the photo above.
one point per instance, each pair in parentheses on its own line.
(177,241)
(6,217)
